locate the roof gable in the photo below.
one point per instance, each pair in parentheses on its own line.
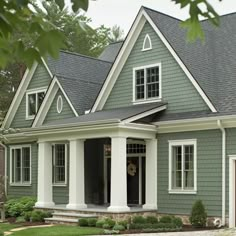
(124,53)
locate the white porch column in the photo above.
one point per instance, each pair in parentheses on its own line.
(44,175)
(118,200)
(151,174)
(76,185)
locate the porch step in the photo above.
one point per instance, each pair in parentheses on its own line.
(57,214)
(60,220)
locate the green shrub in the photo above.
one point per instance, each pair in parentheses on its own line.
(139,220)
(106,226)
(20,219)
(177,221)
(110,222)
(92,222)
(118,227)
(123,222)
(38,216)
(161,226)
(198,217)
(100,223)
(27,216)
(83,222)
(151,219)
(165,219)
(1,233)
(17,207)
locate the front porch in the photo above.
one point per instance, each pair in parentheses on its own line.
(98,181)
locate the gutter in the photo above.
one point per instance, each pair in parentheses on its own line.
(219,123)
(5,161)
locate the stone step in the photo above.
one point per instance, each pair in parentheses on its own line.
(61,221)
(72,215)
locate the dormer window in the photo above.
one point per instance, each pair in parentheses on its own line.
(147,43)
(34,99)
(147,83)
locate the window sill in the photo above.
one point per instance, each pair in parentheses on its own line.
(146,101)
(59,185)
(30,117)
(182,192)
(146,49)
(20,185)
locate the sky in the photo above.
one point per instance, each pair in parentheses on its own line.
(123,12)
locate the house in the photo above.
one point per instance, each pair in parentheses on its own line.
(147,127)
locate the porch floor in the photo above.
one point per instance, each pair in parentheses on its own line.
(100,209)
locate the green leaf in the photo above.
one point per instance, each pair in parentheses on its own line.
(183,3)
(77,4)
(60,3)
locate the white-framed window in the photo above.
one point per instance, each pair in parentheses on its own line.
(34,99)
(59,158)
(59,104)
(147,43)
(20,165)
(183,166)
(147,83)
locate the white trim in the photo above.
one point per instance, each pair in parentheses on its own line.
(145,99)
(147,37)
(19,95)
(11,180)
(68,100)
(182,143)
(181,64)
(29,92)
(219,123)
(47,68)
(144,114)
(48,99)
(59,104)
(232,195)
(124,53)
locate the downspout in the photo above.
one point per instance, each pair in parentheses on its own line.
(5,161)
(219,123)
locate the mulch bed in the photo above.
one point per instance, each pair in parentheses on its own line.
(12,220)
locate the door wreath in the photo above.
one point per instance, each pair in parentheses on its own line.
(131,169)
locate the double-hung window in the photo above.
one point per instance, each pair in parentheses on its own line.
(59,153)
(34,100)
(20,165)
(182,166)
(147,83)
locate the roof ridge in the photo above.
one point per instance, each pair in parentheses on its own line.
(81,55)
(162,13)
(77,80)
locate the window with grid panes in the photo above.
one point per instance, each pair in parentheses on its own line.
(147,83)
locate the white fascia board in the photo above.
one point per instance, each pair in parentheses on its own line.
(181,64)
(144,114)
(47,68)
(46,104)
(19,95)
(119,62)
(68,100)
(124,53)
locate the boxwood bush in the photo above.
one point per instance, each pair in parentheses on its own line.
(139,220)
(92,222)
(152,219)
(83,222)
(198,217)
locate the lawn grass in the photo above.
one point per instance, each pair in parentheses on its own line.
(6,226)
(59,231)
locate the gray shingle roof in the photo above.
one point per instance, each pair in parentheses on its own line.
(117,114)
(212,63)
(111,51)
(80,76)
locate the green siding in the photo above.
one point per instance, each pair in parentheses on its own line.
(20,191)
(177,90)
(41,78)
(54,115)
(208,173)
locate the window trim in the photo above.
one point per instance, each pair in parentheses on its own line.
(29,92)
(183,142)
(147,37)
(11,180)
(59,100)
(54,184)
(147,100)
